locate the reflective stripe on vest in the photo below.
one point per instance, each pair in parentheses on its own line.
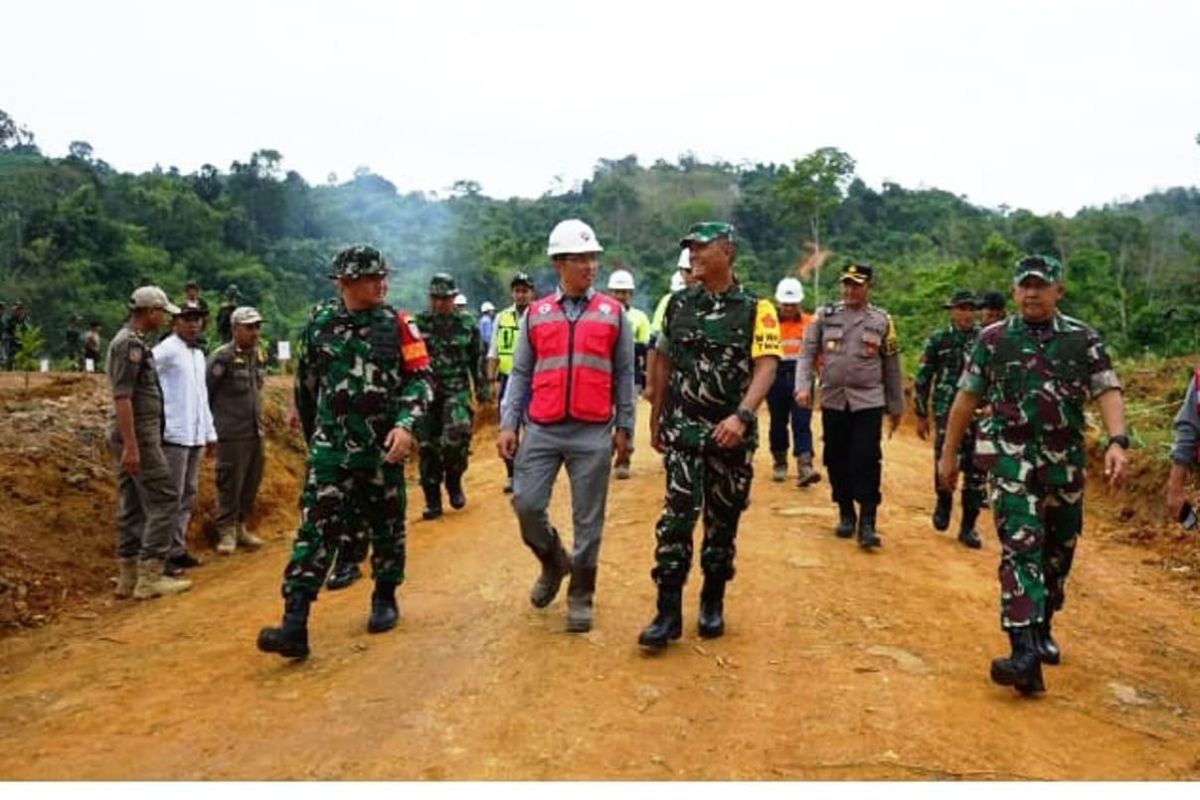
(791,337)
(573,361)
(505,332)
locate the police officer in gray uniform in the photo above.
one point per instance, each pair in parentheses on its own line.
(146,495)
(860,380)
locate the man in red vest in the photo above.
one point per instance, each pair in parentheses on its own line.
(572,382)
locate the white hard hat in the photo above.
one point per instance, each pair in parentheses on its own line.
(677,281)
(460,299)
(573,236)
(789,290)
(486,306)
(621,279)
(685,259)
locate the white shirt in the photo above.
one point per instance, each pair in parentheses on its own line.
(185,393)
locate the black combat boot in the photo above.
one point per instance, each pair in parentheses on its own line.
(1023,669)
(1047,648)
(433,501)
(668,623)
(454,490)
(966,532)
(556,565)
(345,572)
(580,592)
(712,608)
(868,537)
(779,465)
(384,612)
(847,520)
(290,639)
(941,512)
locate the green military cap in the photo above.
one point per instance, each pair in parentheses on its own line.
(992,300)
(358,261)
(962,297)
(1047,268)
(858,272)
(705,232)
(442,285)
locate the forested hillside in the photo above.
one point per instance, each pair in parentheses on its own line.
(76,235)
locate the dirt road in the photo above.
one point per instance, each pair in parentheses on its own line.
(836,664)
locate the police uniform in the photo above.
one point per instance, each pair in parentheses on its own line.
(860,380)
(358,375)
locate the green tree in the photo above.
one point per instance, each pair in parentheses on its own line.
(811,189)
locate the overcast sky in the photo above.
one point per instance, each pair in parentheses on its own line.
(1044,105)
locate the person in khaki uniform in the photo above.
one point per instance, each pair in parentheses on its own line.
(860,380)
(146,497)
(235,380)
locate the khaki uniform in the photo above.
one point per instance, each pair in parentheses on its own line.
(146,500)
(235,382)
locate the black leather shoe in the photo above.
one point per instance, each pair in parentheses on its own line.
(184,561)
(868,537)
(343,575)
(1023,669)
(384,611)
(1048,650)
(433,502)
(668,623)
(454,490)
(941,512)
(712,608)
(290,639)
(847,521)
(970,538)
(555,566)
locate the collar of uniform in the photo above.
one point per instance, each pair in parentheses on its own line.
(1056,322)
(559,296)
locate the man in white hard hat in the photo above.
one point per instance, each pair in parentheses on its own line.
(621,286)
(781,402)
(487,318)
(579,345)
(460,302)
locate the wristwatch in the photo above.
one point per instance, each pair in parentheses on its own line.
(746,416)
(1120,440)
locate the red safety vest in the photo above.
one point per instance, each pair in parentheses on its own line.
(573,361)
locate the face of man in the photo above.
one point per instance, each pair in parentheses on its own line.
(689,277)
(624,295)
(522,296)
(990,315)
(963,317)
(192,291)
(576,272)
(789,311)
(441,306)
(148,319)
(187,327)
(364,292)
(1037,299)
(245,337)
(712,262)
(855,294)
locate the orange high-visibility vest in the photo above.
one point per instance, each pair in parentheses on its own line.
(791,335)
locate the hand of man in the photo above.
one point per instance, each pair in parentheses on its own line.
(729,432)
(923,427)
(802,398)
(947,470)
(656,435)
(398,443)
(1114,466)
(210,449)
(621,446)
(131,458)
(293,419)
(506,444)
(893,424)
(1175,501)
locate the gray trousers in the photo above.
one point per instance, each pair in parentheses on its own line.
(184,464)
(239,472)
(146,504)
(586,450)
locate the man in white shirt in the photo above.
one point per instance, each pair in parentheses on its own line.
(188,421)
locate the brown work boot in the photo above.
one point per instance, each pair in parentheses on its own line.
(151,582)
(247,539)
(126,578)
(227,543)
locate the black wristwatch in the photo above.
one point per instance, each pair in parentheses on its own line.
(1120,440)
(746,416)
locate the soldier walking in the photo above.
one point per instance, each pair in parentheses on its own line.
(504,345)
(452,339)
(716,359)
(1037,369)
(860,380)
(781,400)
(941,365)
(991,308)
(146,497)
(362,383)
(235,377)
(578,345)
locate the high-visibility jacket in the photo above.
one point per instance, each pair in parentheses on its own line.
(791,336)
(573,361)
(505,332)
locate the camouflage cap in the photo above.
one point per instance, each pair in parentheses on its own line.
(1047,268)
(245,315)
(858,272)
(705,232)
(442,285)
(152,297)
(521,279)
(992,300)
(358,261)
(962,297)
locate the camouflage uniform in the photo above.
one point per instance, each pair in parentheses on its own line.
(940,367)
(712,341)
(455,358)
(1036,377)
(358,374)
